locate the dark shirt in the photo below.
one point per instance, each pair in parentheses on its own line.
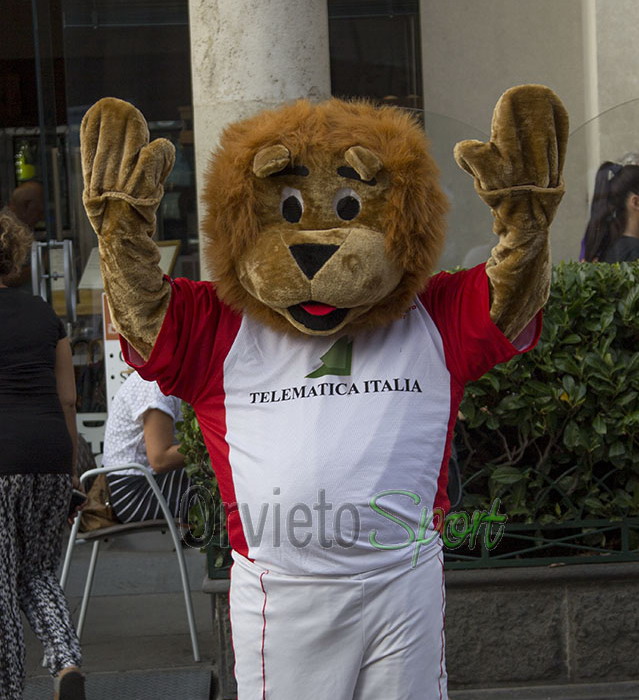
(624,249)
(33,432)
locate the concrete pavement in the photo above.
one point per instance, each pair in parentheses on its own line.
(136,642)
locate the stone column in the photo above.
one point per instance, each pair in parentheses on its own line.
(248,55)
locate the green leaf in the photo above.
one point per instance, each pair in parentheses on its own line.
(492,379)
(571,435)
(628,397)
(507,475)
(599,425)
(593,504)
(568,384)
(617,449)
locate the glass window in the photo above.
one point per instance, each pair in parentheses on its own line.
(102,41)
(57,58)
(375,51)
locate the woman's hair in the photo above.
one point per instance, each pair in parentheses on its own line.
(613,183)
(15,241)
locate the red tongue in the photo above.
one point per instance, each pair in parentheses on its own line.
(316,309)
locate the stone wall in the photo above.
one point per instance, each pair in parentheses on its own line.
(553,625)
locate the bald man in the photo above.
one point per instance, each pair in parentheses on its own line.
(27,202)
(26,209)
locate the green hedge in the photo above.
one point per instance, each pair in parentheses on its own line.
(554,433)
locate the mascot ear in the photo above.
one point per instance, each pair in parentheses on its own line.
(365,163)
(271,159)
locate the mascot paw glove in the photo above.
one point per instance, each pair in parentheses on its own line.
(119,163)
(518,172)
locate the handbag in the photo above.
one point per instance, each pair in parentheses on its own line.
(97,512)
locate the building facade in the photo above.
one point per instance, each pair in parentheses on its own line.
(193,66)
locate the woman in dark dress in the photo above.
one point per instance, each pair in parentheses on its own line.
(38,441)
(612,234)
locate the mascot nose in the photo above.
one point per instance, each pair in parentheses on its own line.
(310,257)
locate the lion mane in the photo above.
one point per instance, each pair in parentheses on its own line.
(402,210)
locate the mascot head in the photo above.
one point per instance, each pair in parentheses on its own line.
(323,217)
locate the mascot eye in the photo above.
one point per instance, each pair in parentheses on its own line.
(347,204)
(292,205)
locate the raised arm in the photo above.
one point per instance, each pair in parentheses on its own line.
(518,173)
(123,186)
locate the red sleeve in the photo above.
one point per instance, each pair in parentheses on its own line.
(459,305)
(184,355)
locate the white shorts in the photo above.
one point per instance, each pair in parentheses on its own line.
(362,637)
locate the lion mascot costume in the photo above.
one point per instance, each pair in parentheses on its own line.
(327,361)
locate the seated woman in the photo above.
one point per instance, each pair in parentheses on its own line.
(141,428)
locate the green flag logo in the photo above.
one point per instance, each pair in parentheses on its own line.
(336,360)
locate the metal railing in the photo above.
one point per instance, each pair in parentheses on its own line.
(572,542)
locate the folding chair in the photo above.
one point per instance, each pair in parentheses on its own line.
(97,536)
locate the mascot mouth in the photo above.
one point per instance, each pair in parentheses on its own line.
(316,316)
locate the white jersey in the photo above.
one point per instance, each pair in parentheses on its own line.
(331,452)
